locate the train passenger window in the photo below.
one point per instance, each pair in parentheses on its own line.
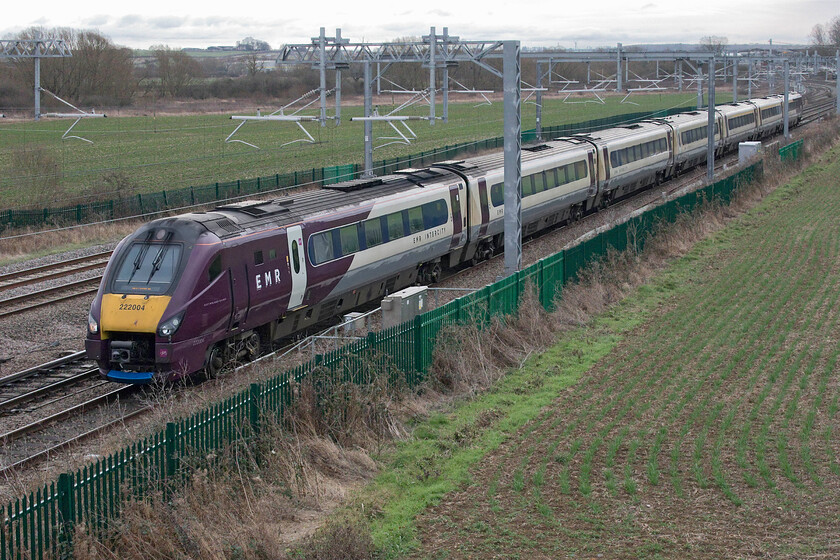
(349,236)
(435,214)
(215,268)
(550,178)
(320,248)
(373,232)
(580,170)
(396,229)
(295,257)
(415,219)
(527,186)
(272,254)
(539,182)
(258,257)
(497,194)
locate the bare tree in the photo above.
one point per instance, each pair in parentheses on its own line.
(98,71)
(176,70)
(714,43)
(826,38)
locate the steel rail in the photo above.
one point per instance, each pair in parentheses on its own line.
(43,268)
(52,276)
(38,424)
(49,388)
(5,471)
(34,295)
(70,358)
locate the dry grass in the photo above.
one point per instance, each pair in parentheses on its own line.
(28,244)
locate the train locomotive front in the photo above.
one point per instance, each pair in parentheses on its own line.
(143,322)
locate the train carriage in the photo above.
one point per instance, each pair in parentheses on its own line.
(195,291)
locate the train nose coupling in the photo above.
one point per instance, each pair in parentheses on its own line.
(122,351)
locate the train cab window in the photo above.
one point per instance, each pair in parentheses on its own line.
(258,257)
(349,237)
(373,232)
(396,228)
(434,214)
(215,268)
(272,254)
(415,219)
(320,249)
(147,268)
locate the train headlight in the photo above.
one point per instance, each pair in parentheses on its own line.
(93,326)
(168,327)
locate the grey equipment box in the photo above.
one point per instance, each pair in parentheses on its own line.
(403,306)
(748,150)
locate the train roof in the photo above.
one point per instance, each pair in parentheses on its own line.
(479,165)
(685,119)
(248,216)
(620,132)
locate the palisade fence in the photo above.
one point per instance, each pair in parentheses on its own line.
(141,204)
(791,152)
(40,524)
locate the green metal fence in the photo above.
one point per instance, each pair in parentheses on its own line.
(39,525)
(146,203)
(791,152)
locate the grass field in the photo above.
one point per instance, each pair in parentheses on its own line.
(152,153)
(706,428)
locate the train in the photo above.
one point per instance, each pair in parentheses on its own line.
(193,292)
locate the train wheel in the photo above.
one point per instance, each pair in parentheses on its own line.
(215,362)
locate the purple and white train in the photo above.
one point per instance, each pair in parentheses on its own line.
(190,293)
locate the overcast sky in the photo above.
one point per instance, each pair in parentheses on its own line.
(585,24)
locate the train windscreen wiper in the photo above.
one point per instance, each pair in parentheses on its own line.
(159,257)
(138,261)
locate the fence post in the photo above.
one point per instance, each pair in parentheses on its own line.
(171,450)
(418,344)
(65,509)
(254,410)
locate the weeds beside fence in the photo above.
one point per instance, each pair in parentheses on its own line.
(40,525)
(143,204)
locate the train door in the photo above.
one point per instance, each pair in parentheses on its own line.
(459,222)
(297,266)
(240,291)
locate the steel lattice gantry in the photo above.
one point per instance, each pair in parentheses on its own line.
(36,49)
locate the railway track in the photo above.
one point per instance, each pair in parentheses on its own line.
(14,304)
(65,379)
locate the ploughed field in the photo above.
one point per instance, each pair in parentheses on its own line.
(710,431)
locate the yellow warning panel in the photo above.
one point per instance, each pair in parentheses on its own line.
(131,313)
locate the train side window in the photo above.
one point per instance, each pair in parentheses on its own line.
(258,257)
(272,254)
(527,185)
(550,179)
(415,219)
(349,236)
(497,194)
(435,214)
(396,229)
(539,182)
(320,249)
(215,268)
(373,232)
(580,170)
(295,256)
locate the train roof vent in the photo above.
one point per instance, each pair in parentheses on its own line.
(258,208)
(461,166)
(223,227)
(692,112)
(631,126)
(355,185)
(417,176)
(537,148)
